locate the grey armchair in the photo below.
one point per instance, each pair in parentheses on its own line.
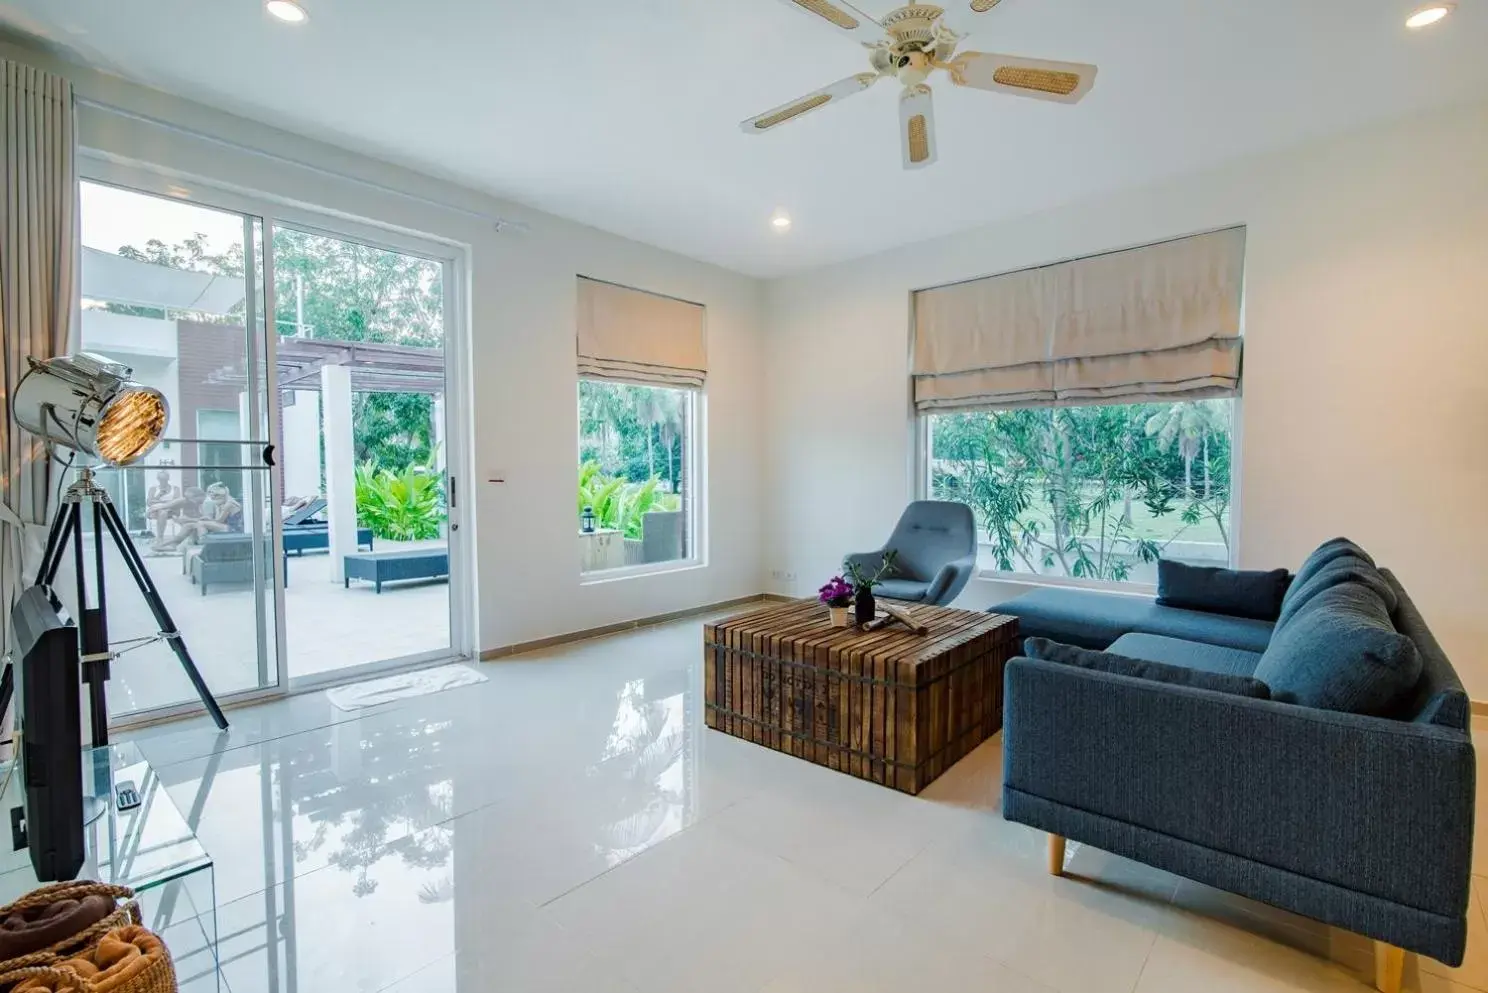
(936,542)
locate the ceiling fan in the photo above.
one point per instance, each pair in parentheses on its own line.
(911,42)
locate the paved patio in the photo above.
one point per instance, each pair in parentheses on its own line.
(327,627)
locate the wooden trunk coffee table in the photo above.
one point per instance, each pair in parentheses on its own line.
(888,706)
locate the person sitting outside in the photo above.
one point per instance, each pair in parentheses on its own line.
(163,504)
(220,513)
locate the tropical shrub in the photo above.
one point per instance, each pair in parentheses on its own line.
(618,504)
(399,506)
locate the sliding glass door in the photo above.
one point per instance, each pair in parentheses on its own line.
(174,291)
(301,522)
(361,378)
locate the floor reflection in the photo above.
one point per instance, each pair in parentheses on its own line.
(357,854)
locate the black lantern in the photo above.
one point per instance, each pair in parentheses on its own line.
(588,518)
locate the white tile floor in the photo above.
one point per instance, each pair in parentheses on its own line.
(570,825)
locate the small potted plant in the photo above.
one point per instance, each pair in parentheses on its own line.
(837,594)
(863,585)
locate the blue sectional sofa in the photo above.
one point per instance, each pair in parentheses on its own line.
(1362,820)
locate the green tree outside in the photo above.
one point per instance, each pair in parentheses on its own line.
(1089,492)
(327,288)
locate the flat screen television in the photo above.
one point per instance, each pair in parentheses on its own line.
(49,722)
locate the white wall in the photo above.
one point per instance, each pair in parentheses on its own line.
(301,456)
(1365,409)
(521,301)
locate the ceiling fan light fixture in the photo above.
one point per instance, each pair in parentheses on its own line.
(909,45)
(287,11)
(1428,15)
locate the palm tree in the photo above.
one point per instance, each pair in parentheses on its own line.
(1188,424)
(651,412)
(602,406)
(661,412)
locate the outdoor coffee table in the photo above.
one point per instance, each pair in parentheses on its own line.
(385,567)
(888,706)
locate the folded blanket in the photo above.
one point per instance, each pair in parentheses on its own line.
(116,960)
(27,931)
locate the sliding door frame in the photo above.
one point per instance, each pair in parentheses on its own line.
(454,258)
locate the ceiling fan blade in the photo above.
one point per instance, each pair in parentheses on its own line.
(917,126)
(839,90)
(962,17)
(844,17)
(1064,82)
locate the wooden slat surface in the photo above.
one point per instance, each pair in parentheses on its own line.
(889,706)
(799,632)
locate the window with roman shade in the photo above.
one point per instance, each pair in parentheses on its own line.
(1157,323)
(645,339)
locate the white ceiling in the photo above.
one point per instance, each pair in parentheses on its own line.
(624,115)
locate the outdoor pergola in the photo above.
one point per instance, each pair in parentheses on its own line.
(375,367)
(325,373)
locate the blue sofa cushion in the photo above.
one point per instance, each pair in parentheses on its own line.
(1341,569)
(1239,593)
(1330,551)
(1340,651)
(911,590)
(1157,672)
(1094,620)
(1193,654)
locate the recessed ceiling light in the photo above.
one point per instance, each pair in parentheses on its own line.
(287,10)
(1429,14)
(781,221)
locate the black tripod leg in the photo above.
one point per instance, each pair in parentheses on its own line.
(7,690)
(136,566)
(51,559)
(95,640)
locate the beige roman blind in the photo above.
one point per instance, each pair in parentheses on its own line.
(1160,322)
(630,336)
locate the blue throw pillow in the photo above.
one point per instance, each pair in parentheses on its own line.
(1222,591)
(1340,651)
(1329,551)
(1157,672)
(1343,569)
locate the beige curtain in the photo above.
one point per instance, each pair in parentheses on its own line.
(1160,322)
(629,336)
(38,291)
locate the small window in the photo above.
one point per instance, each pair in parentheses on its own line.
(635,493)
(1094,493)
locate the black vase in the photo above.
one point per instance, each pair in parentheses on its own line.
(864,606)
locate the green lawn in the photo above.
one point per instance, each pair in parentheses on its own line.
(1161,529)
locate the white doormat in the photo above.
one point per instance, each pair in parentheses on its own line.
(406,684)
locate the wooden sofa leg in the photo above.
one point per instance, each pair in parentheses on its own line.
(1056,857)
(1389,964)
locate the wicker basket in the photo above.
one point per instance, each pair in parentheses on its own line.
(125,914)
(158,976)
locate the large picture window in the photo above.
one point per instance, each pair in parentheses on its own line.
(1090,492)
(635,490)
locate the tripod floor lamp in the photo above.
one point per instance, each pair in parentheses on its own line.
(88,405)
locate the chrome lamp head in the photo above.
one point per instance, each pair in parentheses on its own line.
(88,403)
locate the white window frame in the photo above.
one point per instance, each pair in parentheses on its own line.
(692,502)
(922,492)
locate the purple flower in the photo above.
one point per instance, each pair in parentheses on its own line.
(837,592)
